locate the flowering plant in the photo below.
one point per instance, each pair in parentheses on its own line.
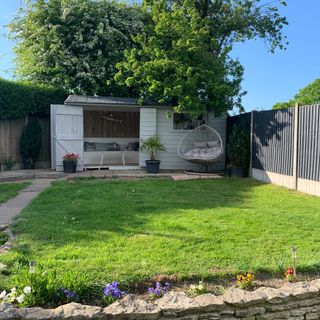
(71,157)
(70,295)
(200,288)
(15,296)
(245,281)
(289,274)
(112,292)
(159,290)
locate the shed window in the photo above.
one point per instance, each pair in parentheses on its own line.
(185,121)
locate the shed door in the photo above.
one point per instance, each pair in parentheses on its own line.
(67,134)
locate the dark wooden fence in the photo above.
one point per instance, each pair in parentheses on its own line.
(285,146)
(10,133)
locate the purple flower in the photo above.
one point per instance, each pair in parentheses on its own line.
(69,294)
(159,290)
(112,290)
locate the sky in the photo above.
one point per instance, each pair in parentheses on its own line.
(268,78)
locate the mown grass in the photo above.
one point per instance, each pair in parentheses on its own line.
(10,190)
(133,230)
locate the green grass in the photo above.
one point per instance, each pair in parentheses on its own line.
(133,230)
(10,190)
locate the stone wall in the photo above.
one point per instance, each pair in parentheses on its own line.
(299,301)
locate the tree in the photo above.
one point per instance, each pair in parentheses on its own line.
(74,44)
(306,96)
(184,60)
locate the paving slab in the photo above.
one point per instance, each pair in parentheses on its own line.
(10,209)
(19,175)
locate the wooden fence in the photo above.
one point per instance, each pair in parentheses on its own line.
(285,147)
(10,133)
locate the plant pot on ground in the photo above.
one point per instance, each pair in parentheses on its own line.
(70,161)
(31,143)
(239,151)
(151,146)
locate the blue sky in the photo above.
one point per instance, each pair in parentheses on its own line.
(269,78)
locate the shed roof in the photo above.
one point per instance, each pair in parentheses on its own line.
(82,100)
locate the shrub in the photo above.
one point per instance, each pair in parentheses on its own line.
(239,146)
(31,141)
(18,99)
(151,146)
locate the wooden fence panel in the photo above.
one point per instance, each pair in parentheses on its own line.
(10,133)
(309,143)
(273,138)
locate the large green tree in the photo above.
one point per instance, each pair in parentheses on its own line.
(306,96)
(184,59)
(74,44)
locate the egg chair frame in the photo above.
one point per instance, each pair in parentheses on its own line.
(209,143)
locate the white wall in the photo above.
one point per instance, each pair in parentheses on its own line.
(155,121)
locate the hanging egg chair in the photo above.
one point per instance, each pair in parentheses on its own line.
(203,145)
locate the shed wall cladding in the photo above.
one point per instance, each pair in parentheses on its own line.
(273,141)
(171,138)
(100,124)
(309,143)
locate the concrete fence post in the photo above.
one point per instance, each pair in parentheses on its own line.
(296,145)
(251,142)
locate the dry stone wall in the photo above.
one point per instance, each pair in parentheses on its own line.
(298,301)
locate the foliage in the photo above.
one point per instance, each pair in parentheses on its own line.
(198,289)
(10,190)
(159,290)
(239,146)
(31,140)
(71,157)
(308,95)
(184,60)
(74,44)
(245,281)
(49,288)
(3,238)
(18,99)
(112,292)
(8,164)
(151,145)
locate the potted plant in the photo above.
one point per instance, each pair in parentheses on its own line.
(239,150)
(31,143)
(151,146)
(70,161)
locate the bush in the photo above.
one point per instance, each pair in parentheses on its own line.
(31,141)
(239,146)
(18,99)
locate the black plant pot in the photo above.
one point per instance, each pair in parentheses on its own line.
(238,172)
(28,164)
(153,166)
(69,166)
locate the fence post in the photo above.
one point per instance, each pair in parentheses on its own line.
(251,142)
(296,145)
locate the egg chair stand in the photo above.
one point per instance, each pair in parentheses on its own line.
(203,146)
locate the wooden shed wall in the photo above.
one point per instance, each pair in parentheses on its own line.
(97,126)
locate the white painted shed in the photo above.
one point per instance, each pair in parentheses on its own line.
(106,131)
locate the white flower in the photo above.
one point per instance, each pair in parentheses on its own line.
(27,290)
(20,299)
(13,290)
(3,294)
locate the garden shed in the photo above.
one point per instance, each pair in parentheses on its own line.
(106,133)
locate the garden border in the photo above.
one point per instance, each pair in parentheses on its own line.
(300,301)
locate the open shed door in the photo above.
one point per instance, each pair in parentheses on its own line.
(66,134)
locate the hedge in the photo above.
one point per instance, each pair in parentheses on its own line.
(18,99)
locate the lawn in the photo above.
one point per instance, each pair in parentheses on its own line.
(10,190)
(133,230)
